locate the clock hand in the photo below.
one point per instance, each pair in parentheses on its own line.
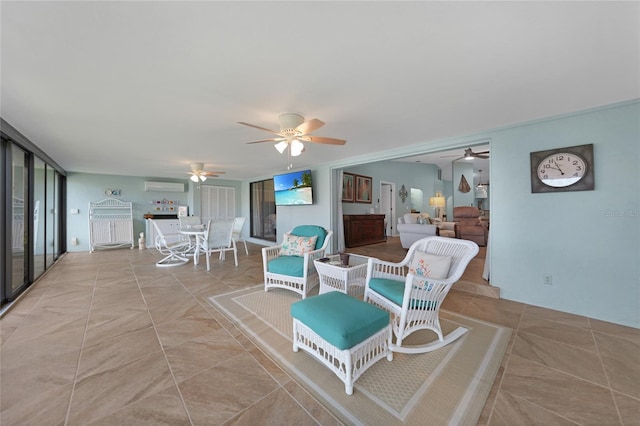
(558,167)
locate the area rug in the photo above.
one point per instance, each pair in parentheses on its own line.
(446,386)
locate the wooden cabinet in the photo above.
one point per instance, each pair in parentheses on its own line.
(362,229)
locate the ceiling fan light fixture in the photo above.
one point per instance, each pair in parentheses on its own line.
(290,121)
(194,178)
(296,147)
(203,178)
(197,167)
(281,146)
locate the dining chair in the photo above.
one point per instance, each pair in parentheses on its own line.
(186,222)
(175,253)
(219,239)
(238,224)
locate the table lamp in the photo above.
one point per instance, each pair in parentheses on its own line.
(439,202)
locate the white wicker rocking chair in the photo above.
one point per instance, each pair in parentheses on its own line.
(414,301)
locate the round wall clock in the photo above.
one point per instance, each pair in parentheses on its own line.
(562,169)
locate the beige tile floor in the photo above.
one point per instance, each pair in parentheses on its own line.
(108,338)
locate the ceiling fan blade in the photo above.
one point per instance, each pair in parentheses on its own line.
(268,140)
(320,139)
(212,173)
(261,128)
(309,126)
(484,157)
(482,152)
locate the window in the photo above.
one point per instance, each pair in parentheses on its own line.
(263,210)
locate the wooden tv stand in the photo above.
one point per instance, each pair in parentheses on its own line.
(363,229)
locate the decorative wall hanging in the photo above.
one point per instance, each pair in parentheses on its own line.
(464,185)
(403,193)
(363,189)
(347,187)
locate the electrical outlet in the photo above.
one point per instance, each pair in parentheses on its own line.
(547,279)
(74,241)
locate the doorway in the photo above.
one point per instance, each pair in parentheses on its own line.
(388,206)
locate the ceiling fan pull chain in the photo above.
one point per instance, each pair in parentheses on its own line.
(289,161)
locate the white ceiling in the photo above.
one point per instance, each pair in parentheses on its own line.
(445,159)
(145,88)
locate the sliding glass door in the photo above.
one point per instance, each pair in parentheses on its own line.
(18,216)
(39,176)
(31,213)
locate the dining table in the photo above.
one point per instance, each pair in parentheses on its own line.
(198,236)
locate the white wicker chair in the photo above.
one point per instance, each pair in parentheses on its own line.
(417,299)
(175,253)
(306,276)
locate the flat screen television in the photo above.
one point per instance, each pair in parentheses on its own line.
(293,189)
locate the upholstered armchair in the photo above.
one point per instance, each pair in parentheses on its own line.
(290,264)
(470,226)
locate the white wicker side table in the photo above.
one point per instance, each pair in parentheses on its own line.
(348,279)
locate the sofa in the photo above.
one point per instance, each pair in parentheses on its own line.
(413,226)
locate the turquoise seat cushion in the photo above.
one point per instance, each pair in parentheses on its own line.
(292,266)
(341,320)
(394,291)
(311,231)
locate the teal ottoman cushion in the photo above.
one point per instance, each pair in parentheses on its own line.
(340,319)
(292,266)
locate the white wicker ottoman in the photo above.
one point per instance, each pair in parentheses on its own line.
(345,334)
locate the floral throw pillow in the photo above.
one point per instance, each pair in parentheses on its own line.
(293,245)
(430,265)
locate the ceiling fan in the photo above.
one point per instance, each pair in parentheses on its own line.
(198,174)
(293,131)
(470,155)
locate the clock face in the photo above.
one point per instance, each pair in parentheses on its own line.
(561,169)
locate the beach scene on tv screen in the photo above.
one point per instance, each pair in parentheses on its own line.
(293,188)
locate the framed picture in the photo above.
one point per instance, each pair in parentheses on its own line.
(363,189)
(347,187)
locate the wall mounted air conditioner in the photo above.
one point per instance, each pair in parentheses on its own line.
(164,186)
